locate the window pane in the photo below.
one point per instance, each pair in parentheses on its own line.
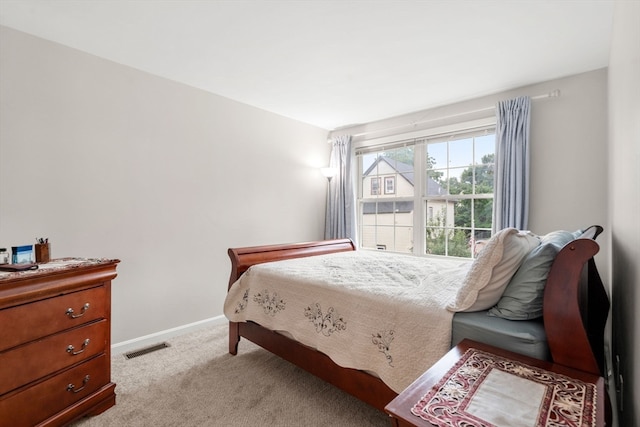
(459,243)
(463,213)
(370,185)
(482,213)
(461,153)
(435,241)
(485,146)
(437,155)
(437,183)
(437,212)
(368,238)
(388,225)
(388,237)
(461,181)
(367,161)
(480,239)
(401,157)
(403,239)
(398,171)
(484,179)
(448,242)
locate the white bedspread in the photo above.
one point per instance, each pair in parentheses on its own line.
(374,311)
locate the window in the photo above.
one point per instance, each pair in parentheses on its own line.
(375,186)
(389,185)
(460,191)
(437,196)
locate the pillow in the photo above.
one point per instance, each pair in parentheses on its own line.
(523,296)
(492,270)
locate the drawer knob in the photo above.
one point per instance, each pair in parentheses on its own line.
(71,348)
(72,388)
(72,314)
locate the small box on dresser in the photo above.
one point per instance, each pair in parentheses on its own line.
(55,342)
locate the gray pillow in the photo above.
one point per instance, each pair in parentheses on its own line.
(523,296)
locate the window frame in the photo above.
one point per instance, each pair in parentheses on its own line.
(419,141)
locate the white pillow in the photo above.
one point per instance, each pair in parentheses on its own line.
(491,271)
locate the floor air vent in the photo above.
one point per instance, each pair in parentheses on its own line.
(147,350)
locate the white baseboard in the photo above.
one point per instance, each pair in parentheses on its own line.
(157,337)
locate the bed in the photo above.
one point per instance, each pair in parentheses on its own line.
(563,322)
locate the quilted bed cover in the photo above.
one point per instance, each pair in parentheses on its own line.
(380,312)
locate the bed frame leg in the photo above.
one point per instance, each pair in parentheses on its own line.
(234,337)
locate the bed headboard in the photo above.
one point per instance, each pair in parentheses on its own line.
(576,306)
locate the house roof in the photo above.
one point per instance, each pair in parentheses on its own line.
(406,171)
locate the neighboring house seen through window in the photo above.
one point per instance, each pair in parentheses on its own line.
(437,195)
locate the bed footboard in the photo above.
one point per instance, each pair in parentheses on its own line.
(243,258)
(365,387)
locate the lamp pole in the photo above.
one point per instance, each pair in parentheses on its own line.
(329,174)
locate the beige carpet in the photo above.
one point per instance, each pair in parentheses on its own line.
(195,382)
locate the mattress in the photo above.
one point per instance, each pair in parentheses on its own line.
(520,336)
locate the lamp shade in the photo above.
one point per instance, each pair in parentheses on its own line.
(328,172)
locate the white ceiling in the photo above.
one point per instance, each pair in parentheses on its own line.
(333,63)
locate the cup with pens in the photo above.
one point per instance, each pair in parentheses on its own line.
(42,249)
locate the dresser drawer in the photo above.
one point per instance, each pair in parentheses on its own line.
(31,321)
(26,363)
(35,404)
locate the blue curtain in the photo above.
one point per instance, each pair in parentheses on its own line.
(511,203)
(341,213)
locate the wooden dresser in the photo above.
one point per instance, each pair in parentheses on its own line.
(55,341)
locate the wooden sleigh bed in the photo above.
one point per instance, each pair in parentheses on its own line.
(575,310)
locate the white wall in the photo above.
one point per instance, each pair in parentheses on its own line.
(624,201)
(108,161)
(568,149)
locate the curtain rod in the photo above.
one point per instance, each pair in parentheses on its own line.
(552,94)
